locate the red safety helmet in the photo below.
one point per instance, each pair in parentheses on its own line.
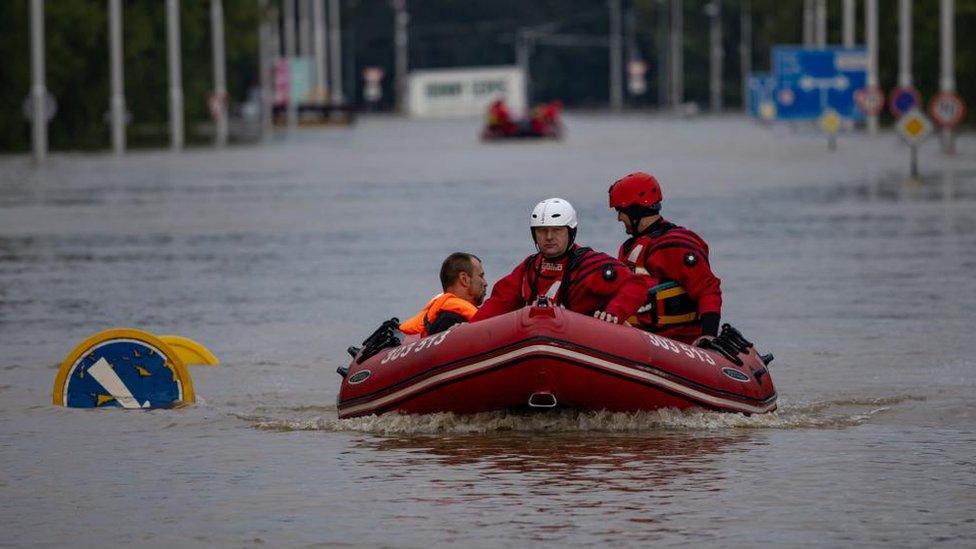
(638,189)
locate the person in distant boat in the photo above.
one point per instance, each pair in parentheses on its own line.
(499,119)
(685,302)
(566,274)
(464,285)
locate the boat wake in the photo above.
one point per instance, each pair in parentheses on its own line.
(847,412)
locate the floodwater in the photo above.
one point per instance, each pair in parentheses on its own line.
(279,257)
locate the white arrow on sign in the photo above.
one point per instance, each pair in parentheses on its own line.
(809,83)
(104,374)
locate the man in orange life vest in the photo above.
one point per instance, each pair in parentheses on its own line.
(578,278)
(463,281)
(686,302)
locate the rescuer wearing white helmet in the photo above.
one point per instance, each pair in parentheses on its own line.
(566,274)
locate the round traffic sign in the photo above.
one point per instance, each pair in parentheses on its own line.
(947,109)
(869,100)
(903,99)
(123,368)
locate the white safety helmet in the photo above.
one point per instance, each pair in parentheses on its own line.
(554,212)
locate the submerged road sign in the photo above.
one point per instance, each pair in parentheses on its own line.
(812,80)
(903,99)
(869,100)
(914,127)
(123,368)
(947,109)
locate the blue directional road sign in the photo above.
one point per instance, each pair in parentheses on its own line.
(812,80)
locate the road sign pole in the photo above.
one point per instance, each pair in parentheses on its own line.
(117,100)
(401,18)
(849,20)
(745,48)
(219,72)
(175,74)
(38,87)
(947,81)
(820,10)
(264,63)
(871,32)
(905,43)
(716,53)
(914,167)
(335,47)
(677,55)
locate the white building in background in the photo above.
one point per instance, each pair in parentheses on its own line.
(459,92)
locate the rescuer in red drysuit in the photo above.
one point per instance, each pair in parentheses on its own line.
(499,119)
(685,302)
(578,278)
(545,118)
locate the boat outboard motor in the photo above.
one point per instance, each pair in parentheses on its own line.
(730,343)
(388,335)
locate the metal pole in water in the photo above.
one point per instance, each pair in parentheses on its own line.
(871,36)
(38,86)
(849,20)
(318,16)
(821,23)
(745,49)
(219,72)
(117,101)
(264,69)
(401,19)
(905,43)
(716,53)
(175,75)
(616,64)
(808,22)
(947,79)
(677,54)
(335,36)
(292,112)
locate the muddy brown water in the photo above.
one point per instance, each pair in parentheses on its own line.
(278,257)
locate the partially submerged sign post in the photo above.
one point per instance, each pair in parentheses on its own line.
(830,123)
(131,369)
(948,110)
(913,128)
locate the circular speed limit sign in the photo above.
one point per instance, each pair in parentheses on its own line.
(947,109)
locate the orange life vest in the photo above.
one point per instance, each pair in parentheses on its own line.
(418,323)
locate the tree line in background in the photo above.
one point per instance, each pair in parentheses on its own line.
(443,33)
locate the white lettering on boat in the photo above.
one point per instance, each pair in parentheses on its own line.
(677,348)
(416,346)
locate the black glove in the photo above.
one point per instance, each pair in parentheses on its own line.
(709,324)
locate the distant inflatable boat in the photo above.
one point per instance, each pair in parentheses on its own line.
(523,130)
(545,357)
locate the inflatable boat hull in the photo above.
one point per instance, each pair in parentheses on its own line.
(545,358)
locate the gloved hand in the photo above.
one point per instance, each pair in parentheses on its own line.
(607,317)
(703,339)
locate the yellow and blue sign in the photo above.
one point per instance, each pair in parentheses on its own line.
(124,368)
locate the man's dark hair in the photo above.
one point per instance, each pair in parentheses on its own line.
(454,265)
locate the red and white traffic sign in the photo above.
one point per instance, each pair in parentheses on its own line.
(947,109)
(869,100)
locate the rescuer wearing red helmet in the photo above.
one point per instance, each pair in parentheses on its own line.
(686,301)
(566,274)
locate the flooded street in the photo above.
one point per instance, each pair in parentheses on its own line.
(279,257)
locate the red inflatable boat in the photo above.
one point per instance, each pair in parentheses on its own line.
(544,357)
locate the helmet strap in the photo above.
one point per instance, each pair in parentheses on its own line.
(636,213)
